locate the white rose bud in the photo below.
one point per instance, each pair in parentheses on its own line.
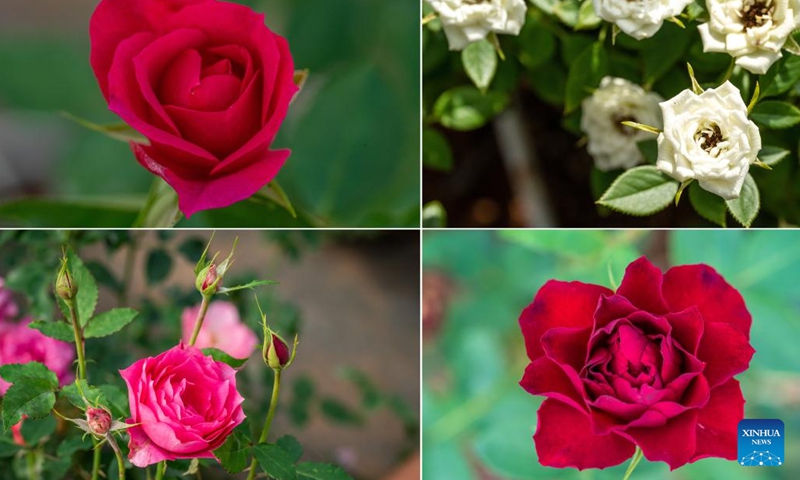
(752,31)
(639,18)
(708,137)
(467,21)
(611,144)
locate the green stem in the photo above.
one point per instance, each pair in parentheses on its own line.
(33,472)
(637,457)
(161,467)
(76,330)
(273,406)
(120,462)
(198,323)
(96,461)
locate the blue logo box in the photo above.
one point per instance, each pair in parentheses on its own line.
(761,443)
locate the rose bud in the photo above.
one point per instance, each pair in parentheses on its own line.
(276,352)
(99,421)
(66,287)
(208,281)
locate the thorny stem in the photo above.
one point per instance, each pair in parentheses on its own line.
(637,457)
(198,323)
(273,406)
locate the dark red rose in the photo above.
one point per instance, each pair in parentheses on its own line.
(650,365)
(206,82)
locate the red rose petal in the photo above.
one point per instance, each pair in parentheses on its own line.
(717,422)
(564,438)
(726,352)
(181,77)
(610,308)
(558,304)
(544,377)
(687,328)
(642,286)
(673,443)
(567,346)
(702,287)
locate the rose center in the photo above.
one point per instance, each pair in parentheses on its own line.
(617,120)
(756,13)
(710,138)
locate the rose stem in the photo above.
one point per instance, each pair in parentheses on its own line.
(161,467)
(76,330)
(273,405)
(636,458)
(33,472)
(198,324)
(120,463)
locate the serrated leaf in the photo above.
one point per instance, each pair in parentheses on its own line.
(640,191)
(234,453)
(32,392)
(275,461)
(745,208)
(480,62)
(707,205)
(321,471)
(772,155)
(775,115)
(247,286)
(223,357)
(159,264)
(86,298)
(58,330)
(109,322)
(291,446)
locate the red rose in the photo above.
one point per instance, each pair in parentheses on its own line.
(206,82)
(650,365)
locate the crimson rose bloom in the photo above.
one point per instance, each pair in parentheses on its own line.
(650,365)
(206,82)
(183,403)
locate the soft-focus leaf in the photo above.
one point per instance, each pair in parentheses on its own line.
(466,108)
(585,75)
(775,114)
(223,357)
(436,153)
(480,63)
(321,471)
(159,264)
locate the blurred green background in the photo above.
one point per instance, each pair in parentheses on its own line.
(478,422)
(354,130)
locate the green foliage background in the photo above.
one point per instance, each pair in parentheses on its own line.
(354,131)
(476,418)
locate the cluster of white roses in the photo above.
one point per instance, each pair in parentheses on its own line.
(467,21)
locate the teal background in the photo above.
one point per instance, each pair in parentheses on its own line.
(478,422)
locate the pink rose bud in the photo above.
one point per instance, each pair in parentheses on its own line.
(20,344)
(222,329)
(66,287)
(276,352)
(99,421)
(208,281)
(183,405)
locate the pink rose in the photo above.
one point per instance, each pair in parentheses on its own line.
(183,403)
(222,329)
(8,309)
(20,344)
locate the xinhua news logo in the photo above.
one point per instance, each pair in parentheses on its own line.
(761,443)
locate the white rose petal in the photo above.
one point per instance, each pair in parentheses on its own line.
(709,138)
(639,18)
(611,144)
(467,21)
(752,31)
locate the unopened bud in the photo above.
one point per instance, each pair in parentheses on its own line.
(208,281)
(99,421)
(276,352)
(66,287)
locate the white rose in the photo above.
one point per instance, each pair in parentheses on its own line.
(708,137)
(639,18)
(611,144)
(752,31)
(467,21)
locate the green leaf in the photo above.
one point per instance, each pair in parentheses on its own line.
(640,191)
(34,430)
(275,193)
(73,444)
(585,75)
(587,18)
(321,471)
(73,394)
(781,77)
(436,153)
(291,446)
(537,44)
(434,215)
(103,276)
(99,212)
(663,52)
(109,322)
(116,399)
(234,453)
(118,131)
(772,155)
(339,412)
(275,461)
(466,108)
(223,357)
(567,11)
(480,62)
(745,208)
(247,286)
(370,395)
(707,205)
(58,330)
(775,114)
(303,392)
(192,249)
(86,298)
(160,208)
(7,447)
(159,264)
(31,392)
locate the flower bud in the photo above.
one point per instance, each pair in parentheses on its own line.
(99,421)
(66,288)
(208,280)
(276,352)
